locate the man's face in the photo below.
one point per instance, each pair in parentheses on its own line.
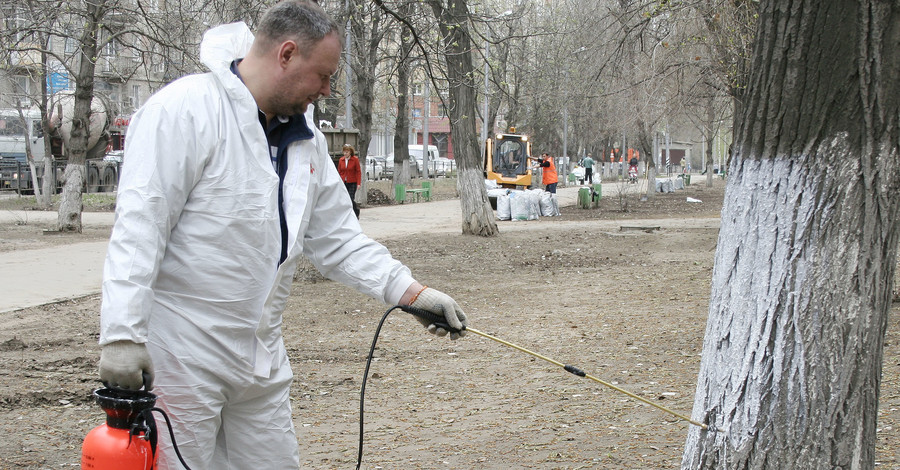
(307,76)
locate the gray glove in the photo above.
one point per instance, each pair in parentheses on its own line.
(126,365)
(435,301)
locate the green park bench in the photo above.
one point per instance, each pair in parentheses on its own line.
(401,191)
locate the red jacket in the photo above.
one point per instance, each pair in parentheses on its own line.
(349,170)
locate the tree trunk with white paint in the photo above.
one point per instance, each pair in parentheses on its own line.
(477,215)
(801,288)
(77,145)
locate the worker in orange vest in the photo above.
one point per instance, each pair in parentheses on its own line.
(549,177)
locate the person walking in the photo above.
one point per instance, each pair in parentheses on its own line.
(351,174)
(588,164)
(224,187)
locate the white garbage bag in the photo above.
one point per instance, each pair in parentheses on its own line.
(519,203)
(664,186)
(549,204)
(504,211)
(497,192)
(534,209)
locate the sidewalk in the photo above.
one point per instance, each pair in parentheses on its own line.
(37,277)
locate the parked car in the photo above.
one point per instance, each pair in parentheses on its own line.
(414,167)
(375,167)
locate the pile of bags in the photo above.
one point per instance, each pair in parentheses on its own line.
(525,205)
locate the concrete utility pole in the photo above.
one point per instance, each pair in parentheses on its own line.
(487,69)
(348,94)
(427,112)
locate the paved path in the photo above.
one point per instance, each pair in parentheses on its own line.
(37,277)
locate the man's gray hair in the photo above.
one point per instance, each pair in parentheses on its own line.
(300,20)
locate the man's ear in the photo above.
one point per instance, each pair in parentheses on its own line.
(286,52)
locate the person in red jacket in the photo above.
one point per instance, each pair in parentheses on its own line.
(351,174)
(548,176)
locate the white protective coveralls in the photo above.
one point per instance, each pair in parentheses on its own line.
(192,267)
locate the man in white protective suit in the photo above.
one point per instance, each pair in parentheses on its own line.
(225,185)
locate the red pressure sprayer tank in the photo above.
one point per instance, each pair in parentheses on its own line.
(111,446)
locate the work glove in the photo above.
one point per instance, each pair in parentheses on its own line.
(126,365)
(437,302)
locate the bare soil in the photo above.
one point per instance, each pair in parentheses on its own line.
(622,295)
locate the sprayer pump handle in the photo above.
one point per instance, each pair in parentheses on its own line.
(433,318)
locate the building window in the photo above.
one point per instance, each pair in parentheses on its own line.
(12,127)
(441,110)
(417,112)
(18,25)
(71,41)
(22,85)
(110,49)
(418,89)
(135,96)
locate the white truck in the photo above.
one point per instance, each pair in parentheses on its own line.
(14,131)
(101,173)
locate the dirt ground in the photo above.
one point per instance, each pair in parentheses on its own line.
(600,289)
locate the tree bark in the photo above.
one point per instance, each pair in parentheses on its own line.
(401,133)
(70,205)
(477,215)
(801,288)
(366,33)
(645,136)
(710,137)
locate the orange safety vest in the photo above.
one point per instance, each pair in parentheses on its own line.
(548,173)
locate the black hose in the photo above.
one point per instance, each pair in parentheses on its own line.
(362,390)
(433,318)
(147,416)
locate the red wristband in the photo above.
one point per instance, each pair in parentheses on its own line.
(413,299)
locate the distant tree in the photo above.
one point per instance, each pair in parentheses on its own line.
(453,18)
(368,30)
(403,67)
(801,288)
(94,35)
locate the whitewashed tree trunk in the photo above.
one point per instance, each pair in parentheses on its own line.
(401,134)
(71,204)
(477,215)
(801,288)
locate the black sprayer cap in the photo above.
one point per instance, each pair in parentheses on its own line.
(121,406)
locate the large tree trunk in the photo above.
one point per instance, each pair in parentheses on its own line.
(791,364)
(401,132)
(646,133)
(477,215)
(70,205)
(364,66)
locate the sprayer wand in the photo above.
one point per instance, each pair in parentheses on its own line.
(440,323)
